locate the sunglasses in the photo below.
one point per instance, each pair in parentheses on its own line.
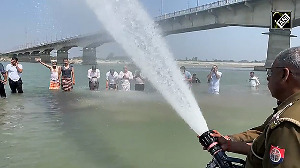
(269,71)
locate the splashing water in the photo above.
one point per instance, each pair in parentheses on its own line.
(139,36)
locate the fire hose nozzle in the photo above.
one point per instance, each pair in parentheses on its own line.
(221,160)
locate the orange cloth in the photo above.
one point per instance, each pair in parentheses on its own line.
(54,85)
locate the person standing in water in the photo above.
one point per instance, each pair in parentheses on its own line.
(14,72)
(187,76)
(125,77)
(55,74)
(111,80)
(214,80)
(253,80)
(2,82)
(93,75)
(139,81)
(67,76)
(195,79)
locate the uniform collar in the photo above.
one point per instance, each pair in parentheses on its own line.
(291,99)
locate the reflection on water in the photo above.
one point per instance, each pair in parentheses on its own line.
(82,128)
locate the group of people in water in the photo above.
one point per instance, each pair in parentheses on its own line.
(60,77)
(213,79)
(64,77)
(113,79)
(11,74)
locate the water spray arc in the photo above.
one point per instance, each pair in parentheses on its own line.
(136,32)
(140,37)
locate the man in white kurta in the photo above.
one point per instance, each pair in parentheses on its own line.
(111,79)
(93,76)
(214,80)
(125,76)
(253,80)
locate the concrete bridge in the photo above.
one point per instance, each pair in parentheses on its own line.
(89,43)
(247,13)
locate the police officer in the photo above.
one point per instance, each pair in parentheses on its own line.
(276,143)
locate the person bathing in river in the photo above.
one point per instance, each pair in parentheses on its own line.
(67,76)
(94,76)
(125,76)
(55,74)
(112,80)
(2,81)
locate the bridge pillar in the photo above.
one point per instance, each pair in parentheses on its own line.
(24,57)
(45,56)
(89,56)
(61,54)
(279,39)
(11,55)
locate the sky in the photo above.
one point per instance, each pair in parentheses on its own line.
(35,21)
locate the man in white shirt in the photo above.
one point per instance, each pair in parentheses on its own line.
(93,75)
(125,77)
(14,72)
(187,76)
(111,79)
(214,80)
(253,80)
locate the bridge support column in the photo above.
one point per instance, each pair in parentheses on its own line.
(11,55)
(23,57)
(89,56)
(61,54)
(279,40)
(45,56)
(33,55)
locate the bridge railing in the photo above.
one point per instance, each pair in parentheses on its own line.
(162,17)
(31,45)
(198,9)
(46,43)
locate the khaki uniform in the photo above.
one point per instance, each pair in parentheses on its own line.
(278,145)
(250,135)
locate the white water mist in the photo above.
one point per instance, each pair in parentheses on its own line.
(135,31)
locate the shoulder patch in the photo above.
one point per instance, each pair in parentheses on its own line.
(276,155)
(274,123)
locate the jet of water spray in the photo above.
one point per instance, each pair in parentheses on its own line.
(140,37)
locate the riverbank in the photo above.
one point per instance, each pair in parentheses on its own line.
(189,64)
(4,59)
(193,64)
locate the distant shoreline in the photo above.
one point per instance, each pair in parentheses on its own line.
(190,64)
(4,59)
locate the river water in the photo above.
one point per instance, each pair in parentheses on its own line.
(82,128)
